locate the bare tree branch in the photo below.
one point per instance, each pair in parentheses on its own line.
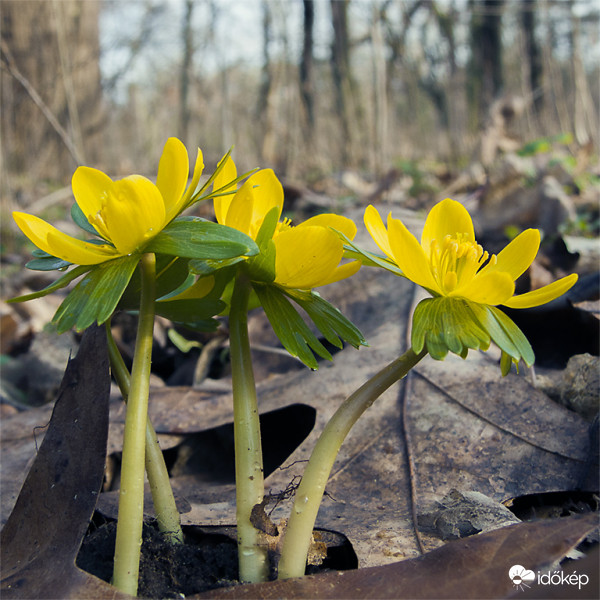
(9,64)
(136,45)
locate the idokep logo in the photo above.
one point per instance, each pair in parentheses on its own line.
(521,577)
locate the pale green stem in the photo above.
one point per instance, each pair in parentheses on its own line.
(249,477)
(310,491)
(131,495)
(167,515)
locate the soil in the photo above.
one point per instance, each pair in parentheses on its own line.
(207,560)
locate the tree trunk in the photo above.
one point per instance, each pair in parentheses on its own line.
(485,79)
(186,68)
(560,106)
(380,156)
(264,108)
(340,65)
(533,55)
(50,89)
(585,118)
(307,92)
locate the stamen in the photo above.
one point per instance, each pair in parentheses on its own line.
(99,223)
(463,248)
(283,225)
(473,254)
(455,260)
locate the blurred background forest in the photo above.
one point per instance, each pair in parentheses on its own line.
(401,103)
(312,88)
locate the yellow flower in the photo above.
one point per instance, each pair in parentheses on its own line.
(306,256)
(465,281)
(126,213)
(449,262)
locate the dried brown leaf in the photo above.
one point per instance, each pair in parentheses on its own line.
(43,534)
(476,567)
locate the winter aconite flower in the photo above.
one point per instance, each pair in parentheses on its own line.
(307,255)
(292,260)
(126,214)
(125,220)
(465,281)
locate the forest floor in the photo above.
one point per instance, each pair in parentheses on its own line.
(457,451)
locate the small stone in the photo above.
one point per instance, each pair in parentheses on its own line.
(461,514)
(556,207)
(580,389)
(37,373)
(6,410)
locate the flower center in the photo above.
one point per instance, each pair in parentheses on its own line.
(283,226)
(455,260)
(98,221)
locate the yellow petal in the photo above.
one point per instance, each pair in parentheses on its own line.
(90,187)
(306,257)
(376,228)
(173,170)
(59,244)
(516,257)
(342,272)
(542,295)
(198,169)
(260,193)
(337,222)
(134,213)
(447,217)
(268,193)
(238,213)
(408,254)
(487,288)
(227,174)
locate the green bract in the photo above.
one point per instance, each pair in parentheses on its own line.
(192,237)
(293,332)
(441,325)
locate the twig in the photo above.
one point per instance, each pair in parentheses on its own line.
(59,196)
(67,78)
(405,392)
(9,64)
